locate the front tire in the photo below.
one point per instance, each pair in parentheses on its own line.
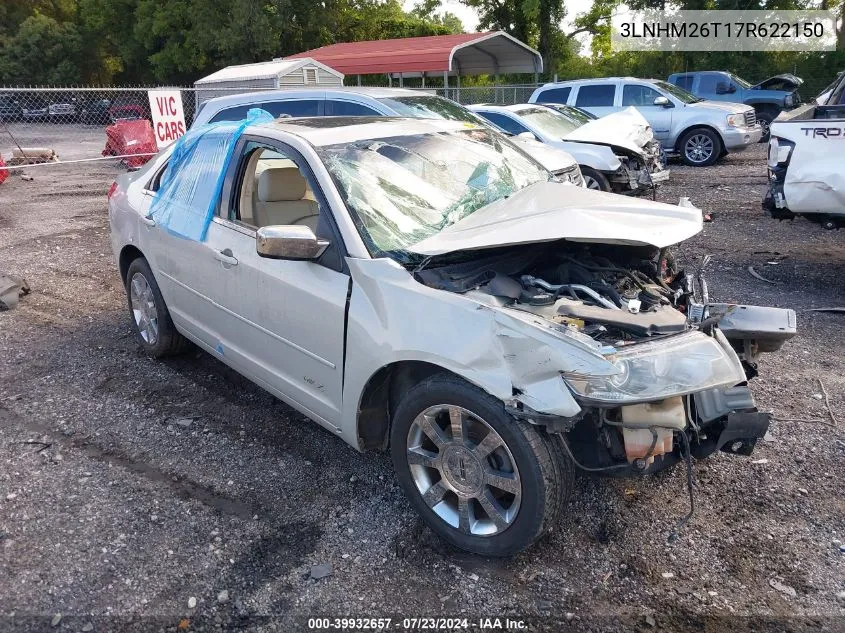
(765,120)
(594,179)
(151,322)
(482,480)
(700,147)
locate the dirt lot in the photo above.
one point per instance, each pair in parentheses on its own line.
(134,493)
(70,141)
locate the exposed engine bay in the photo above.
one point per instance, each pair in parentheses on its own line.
(619,296)
(613,294)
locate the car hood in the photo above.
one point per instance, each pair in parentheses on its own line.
(785,81)
(552,158)
(725,106)
(548,211)
(627,128)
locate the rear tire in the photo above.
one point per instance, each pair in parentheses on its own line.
(151,322)
(700,147)
(494,486)
(595,179)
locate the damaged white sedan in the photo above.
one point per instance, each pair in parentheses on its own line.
(425,287)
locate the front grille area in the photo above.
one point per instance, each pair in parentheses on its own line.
(750,118)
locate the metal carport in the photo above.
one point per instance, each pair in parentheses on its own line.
(491,53)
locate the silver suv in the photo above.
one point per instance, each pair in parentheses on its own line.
(699,131)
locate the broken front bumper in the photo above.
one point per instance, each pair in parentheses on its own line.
(634,178)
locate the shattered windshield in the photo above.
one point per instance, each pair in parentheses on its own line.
(578,117)
(429,107)
(550,122)
(401,190)
(434,107)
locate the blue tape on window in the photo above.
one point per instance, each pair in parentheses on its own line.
(190,186)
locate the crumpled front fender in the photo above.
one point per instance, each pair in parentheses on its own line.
(393,318)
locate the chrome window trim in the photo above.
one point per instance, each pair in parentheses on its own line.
(240,227)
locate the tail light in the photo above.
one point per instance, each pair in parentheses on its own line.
(112,189)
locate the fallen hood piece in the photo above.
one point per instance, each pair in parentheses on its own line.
(548,211)
(786,81)
(627,128)
(12,288)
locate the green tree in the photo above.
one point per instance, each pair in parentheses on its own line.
(42,51)
(428,10)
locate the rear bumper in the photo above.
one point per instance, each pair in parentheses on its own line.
(774,202)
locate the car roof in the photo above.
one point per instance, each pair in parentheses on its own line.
(333,130)
(304,93)
(493,107)
(596,80)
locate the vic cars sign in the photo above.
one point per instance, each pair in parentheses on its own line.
(168,115)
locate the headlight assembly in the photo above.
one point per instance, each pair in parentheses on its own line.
(736,120)
(660,369)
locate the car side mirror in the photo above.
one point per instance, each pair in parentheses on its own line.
(724,88)
(292,242)
(663,102)
(526,136)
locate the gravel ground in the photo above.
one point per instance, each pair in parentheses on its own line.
(157,495)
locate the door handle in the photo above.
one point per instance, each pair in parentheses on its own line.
(226,257)
(148,220)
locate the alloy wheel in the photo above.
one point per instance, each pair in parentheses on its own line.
(592,183)
(463,470)
(144,308)
(698,148)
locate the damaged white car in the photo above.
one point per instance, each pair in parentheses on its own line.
(617,153)
(807,161)
(422,287)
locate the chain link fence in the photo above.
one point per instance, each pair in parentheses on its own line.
(78,123)
(73,122)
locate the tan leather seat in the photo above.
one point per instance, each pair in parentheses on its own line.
(281,199)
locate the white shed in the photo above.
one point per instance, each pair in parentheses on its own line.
(279,73)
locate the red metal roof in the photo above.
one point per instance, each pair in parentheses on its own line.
(489,52)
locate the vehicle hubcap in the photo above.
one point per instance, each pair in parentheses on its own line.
(464,470)
(699,148)
(144,308)
(592,183)
(764,126)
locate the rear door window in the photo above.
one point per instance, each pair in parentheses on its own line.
(595,96)
(505,122)
(348,108)
(298,107)
(707,82)
(685,82)
(554,95)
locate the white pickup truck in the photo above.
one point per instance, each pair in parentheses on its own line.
(807,161)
